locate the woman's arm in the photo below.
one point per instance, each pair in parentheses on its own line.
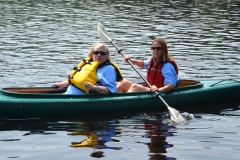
(101,89)
(136,62)
(60,85)
(165,88)
(170,78)
(170,75)
(96,89)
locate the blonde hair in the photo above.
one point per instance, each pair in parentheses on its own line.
(165,56)
(99,45)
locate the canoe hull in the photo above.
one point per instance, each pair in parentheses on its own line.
(35,105)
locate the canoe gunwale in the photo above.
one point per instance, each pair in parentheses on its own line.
(49,91)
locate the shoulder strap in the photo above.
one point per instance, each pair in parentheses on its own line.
(79,66)
(118,72)
(117,69)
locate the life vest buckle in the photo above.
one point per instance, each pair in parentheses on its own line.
(87,61)
(77,69)
(70,77)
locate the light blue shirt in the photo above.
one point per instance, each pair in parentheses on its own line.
(168,72)
(106,77)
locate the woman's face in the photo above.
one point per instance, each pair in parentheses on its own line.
(157,50)
(99,54)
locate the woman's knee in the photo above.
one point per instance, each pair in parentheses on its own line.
(137,88)
(124,85)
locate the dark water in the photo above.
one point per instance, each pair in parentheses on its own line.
(40,42)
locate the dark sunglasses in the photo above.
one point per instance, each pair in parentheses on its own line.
(101,53)
(156,48)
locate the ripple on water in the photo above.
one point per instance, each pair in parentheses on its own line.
(40,42)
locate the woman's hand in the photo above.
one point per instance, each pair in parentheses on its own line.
(91,87)
(126,58)
(97,89)
(154,88)
(60,85)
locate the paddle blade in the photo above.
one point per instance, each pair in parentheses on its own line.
(175,116)
(102,33)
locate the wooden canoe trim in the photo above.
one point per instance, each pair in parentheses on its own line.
(50,90)
(181,83)
(42,90)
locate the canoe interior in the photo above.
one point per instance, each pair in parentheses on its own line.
(49,90)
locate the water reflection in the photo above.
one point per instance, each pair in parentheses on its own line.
(155,135)
(143,133)
(99,134)
(97,137)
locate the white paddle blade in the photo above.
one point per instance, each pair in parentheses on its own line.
(102,33)
(175,116)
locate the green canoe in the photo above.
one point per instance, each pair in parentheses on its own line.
(43,101)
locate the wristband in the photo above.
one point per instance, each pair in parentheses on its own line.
(97,90)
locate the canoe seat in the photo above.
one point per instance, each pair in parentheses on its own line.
(185,82)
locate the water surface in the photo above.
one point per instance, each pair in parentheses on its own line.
(41,41)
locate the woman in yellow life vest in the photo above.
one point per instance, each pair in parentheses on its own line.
(95,74)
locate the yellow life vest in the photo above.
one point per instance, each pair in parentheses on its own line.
(86,72)
(91,141)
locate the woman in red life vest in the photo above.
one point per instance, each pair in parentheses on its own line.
(162,71)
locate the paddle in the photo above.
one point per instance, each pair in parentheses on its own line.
(174,114)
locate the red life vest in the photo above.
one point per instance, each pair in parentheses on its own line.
(154,72)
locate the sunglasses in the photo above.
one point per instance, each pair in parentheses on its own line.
(99,52)
(156,48)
